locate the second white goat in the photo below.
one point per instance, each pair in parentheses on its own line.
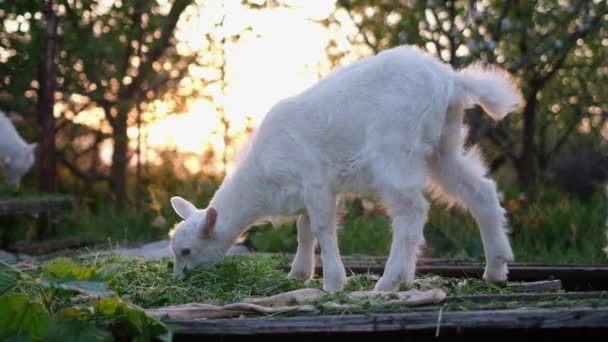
(16,155)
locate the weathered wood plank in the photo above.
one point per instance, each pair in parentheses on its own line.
(11,206)
(50,248)
(527,297)
(536,286)
(362,261)
(573,278)
(431,320)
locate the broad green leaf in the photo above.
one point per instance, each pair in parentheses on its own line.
(132,320)
(89,287)
(63,269)
(8,277)
(67,329)
(20,317)
(75,312)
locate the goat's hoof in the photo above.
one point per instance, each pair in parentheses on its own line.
(386,285)
(334,285)
(299,275)
(496,275)
(331,288)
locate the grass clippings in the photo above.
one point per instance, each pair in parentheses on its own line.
(150,283)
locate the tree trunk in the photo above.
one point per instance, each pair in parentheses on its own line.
(118,172)
(46,119)
(46,114)
(526,166)
(138,178)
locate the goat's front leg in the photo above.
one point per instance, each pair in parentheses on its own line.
(321,208)
(303,266)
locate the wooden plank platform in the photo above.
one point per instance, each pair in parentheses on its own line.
(573,278)
(35,205)
(359,261)
(578,312)
(434,322)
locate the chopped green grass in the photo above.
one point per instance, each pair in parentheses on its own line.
(150,283)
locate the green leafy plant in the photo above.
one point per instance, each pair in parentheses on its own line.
(43,305)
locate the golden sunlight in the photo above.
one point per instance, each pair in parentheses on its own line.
(282,59)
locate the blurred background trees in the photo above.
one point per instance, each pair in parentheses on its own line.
(557,51)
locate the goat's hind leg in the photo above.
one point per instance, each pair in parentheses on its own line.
(461,180)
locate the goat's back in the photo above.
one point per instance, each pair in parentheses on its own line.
(360,113)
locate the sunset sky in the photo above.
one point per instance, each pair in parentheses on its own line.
(284,59)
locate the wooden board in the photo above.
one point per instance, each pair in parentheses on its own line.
(528,297)
(360,261)
(434,321)
(34,205)
(495,316)
(573,278)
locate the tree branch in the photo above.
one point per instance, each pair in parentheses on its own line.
(562,139)
(450,34)
(501,140)
(569,44)
(432,39)
(107,110)
(347,6)
(162,44)
(136,34)
(78,172)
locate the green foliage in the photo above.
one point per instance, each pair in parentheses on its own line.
(561,228)
(76,325)
(280,239)
(22,318)
(8,277)
(42,306)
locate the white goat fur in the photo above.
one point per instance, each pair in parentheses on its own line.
(388,125)
(16,155)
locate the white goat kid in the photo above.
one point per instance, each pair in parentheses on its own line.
(387,125)
(16,155)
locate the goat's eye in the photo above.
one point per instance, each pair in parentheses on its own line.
(186,251)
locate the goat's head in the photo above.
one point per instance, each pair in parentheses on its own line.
(194,241)
(16,167)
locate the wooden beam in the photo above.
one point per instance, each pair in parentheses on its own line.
(573,278)
(13,206)
(580,318)
(527,297)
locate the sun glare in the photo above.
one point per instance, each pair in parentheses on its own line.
(280,60)
(282,55)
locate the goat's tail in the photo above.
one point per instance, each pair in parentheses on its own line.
(490,87)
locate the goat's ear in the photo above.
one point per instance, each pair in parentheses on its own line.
(210,220)
(182,207)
